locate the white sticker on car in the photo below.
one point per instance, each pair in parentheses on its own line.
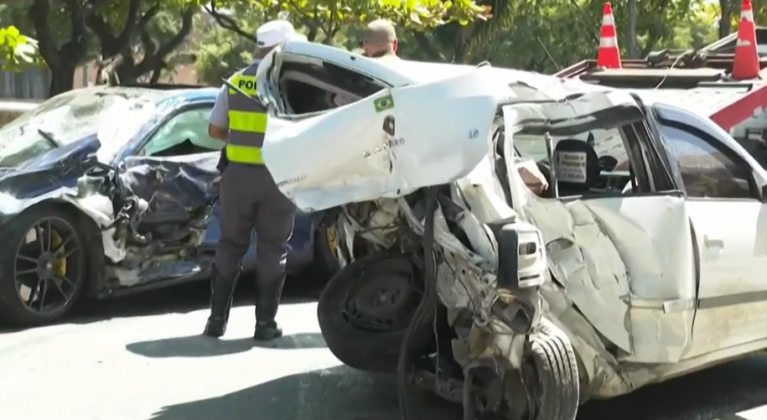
(571,167)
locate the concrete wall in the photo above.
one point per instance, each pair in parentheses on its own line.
(9,110)
(33,83)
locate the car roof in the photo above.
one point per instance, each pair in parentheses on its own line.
(153,95)
(423,71)
(406,72)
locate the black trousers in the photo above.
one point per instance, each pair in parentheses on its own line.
(250,201)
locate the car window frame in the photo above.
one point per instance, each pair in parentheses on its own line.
(274,69)
(712,142)
(135,146)
(148,138)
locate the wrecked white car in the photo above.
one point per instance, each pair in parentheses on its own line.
(641,261)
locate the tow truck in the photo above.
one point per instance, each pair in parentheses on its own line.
(698,80)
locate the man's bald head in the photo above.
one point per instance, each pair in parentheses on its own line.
(380,39)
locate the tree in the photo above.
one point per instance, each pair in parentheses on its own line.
(16,50)
(72,32)
(728,14)
(221,52)
(124,31)
(323,20)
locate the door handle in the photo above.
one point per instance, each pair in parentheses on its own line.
(712,242)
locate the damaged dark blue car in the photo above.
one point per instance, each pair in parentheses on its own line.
(112,190)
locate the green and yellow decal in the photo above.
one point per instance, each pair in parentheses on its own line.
(382,104)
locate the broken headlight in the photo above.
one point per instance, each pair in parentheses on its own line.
(521,256)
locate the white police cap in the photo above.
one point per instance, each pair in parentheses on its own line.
(276,32)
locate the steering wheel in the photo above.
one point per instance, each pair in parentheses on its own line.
(608,163)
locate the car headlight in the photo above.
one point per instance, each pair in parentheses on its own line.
(521,256)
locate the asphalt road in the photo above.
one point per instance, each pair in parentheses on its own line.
(142,358)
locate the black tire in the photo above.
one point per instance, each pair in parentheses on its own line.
(372,351)
(13,310)
(557,384)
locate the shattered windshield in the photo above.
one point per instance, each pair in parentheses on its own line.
(73,116)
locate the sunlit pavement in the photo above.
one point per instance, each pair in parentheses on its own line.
(132,365)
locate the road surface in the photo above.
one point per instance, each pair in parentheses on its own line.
(142,358)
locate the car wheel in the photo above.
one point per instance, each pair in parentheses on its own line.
(365,309)
(551,371)
(43,266)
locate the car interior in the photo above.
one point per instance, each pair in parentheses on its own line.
(307,88)
(185,133)
(600,166)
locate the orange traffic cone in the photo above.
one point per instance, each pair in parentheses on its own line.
(746,61)
(608,56)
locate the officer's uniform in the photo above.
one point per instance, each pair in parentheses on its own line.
(249,200)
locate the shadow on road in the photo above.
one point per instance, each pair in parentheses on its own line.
(713,394)
(338,393)
(200,346)
(191,346)
(180,299)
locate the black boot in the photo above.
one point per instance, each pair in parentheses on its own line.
(267,303)
(221,294)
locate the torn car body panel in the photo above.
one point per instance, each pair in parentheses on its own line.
(386,159)
(623,264)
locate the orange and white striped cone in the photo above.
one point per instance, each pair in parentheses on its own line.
(746,60)
(608,55)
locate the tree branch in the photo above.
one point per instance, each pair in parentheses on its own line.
(109,45)
(147,43)
(312,29)
(228,23)
(131,21)
(149,15)
(112,44)
(157,60)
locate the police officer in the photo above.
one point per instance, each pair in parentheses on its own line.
(249,198)
(380,40)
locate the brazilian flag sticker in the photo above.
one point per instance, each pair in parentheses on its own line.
(382,104)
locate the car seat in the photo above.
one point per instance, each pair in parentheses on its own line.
(577,167)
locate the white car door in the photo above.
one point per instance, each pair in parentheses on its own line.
(621,259)
(724,201)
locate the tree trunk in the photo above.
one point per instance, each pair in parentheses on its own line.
(427,47)
(63,61)
(312,33)
(725,6)
(633,48)
(62,80)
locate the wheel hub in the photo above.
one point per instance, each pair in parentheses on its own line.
(381,303)
(45,280)
(46,266)
(382,297)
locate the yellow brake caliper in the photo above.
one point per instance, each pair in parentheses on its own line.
(332,241)
(61,263)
